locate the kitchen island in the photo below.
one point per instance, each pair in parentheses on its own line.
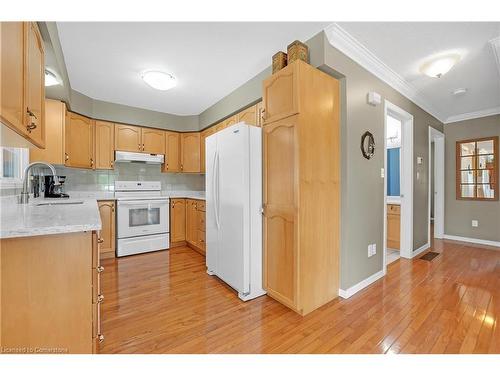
(50,276)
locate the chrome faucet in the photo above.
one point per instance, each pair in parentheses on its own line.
(25,194)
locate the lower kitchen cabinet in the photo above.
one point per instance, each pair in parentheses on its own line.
(107,212)
(53,300)
(177,221)
(187,223)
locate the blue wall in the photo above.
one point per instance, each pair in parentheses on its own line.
(393,181)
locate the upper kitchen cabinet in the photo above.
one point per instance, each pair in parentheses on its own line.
(203,135)
(104,144)
(22,103)
(153,141)
(55,119)
(79,141)
(190,152)
(280,94)
(249,116)
(128,138)
(172,152)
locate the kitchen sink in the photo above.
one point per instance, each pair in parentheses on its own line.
(58,203)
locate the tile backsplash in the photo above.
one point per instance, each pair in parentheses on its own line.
(103,180)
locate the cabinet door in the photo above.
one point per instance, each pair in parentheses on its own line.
(280,94)
(79,141)
(393,227)
(280,237)
(190,151)
(128,138)
(12,111)
(249,115)
(230,121)
(172,152)
(153,141)
(55,117)
(107,212)
(191,222)
(218,127)
(104,145)
(35,85)
(177,220)
(203,135)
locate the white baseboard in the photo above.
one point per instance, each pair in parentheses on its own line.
(421,249)
(361,285)
(472,240)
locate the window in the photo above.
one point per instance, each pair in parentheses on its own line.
(13,161)
(477,169)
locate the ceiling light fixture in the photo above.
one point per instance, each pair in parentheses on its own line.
(459,91)
(159,80)
(438,67)
(50,79)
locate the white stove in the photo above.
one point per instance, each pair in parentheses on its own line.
(142,217)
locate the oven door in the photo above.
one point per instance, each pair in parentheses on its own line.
(142,217)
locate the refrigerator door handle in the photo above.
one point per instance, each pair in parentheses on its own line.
(215,188)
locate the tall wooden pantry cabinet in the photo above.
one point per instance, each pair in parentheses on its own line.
(301,151)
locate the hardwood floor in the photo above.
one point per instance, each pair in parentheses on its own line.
(164,302)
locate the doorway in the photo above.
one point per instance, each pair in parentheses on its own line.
(436,185)
(398,184)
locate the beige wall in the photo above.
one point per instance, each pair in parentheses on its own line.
(458,213)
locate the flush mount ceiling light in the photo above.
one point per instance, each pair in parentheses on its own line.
(438,67)
(50,79)
(460,91)
(159,80)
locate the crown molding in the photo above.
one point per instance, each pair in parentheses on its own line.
(495,46)
(472,115)
(348,45)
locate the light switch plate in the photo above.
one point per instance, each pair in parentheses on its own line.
(382,172)
(475,223)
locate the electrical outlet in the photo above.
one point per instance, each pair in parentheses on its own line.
(475,223)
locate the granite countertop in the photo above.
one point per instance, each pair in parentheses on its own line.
(109,195)
(32,219)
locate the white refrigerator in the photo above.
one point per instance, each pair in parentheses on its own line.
(233,208)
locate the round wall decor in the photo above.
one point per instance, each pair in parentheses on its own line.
(367,145)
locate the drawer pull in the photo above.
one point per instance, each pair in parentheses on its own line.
(100,298)
(100,240)
(100,269)
(101,338)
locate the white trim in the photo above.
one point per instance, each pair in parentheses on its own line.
(472,240)
(472,115)
(438,161)
(361,285)
(495,46)
(421,249)
(348,45)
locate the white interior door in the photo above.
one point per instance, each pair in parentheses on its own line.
(232,172)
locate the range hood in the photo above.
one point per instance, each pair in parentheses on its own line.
(127,157)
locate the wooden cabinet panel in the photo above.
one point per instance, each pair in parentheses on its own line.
(280,94)
(190,151)
(203,135)
(230,121)
(259,108)
(201,242)
(55,118)
(279,208)
(107,212)
(249,116)
(178,220)
(153,141)
(35,85)
(79,144)
(172,152)
(218,127)
(12,111)
(128,138)
(191,222)
(104,145)
(393,226)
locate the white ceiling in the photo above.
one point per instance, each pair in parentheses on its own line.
(404,46)
(209,60)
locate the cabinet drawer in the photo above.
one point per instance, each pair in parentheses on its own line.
(201,239)
(200,206)
(394,209)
